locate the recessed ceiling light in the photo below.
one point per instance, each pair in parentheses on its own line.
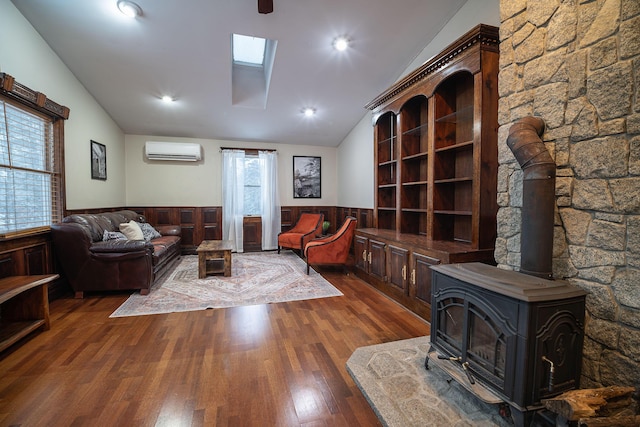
(309,112)
(167,99)
(129,8)
(341,44)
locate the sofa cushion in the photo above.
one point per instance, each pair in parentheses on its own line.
(119,217)
(164,247)
(94,224)
(148,232)
(113,235)
(132,230)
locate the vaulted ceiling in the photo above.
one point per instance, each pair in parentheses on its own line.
(183,49)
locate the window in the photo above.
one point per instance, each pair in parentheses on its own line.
(252,60)
(30,171)
(248,50)
(252,190)
(250,187)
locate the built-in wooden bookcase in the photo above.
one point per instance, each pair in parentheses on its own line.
(387,170)
(414,154)
(454,182)
(435,136)
(435,157)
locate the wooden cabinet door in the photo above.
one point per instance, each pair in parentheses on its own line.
(398,264)
(360,245)
(377,259)
(421,277)
(252,234)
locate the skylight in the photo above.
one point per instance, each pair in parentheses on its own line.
(252,61)
(248,50)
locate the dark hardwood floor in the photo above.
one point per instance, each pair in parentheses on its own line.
(267,365)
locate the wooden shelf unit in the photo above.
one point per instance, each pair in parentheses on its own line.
(24,307)
(386,170)
(435,133)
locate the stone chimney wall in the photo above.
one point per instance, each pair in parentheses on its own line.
(576,64)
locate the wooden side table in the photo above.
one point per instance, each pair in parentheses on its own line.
(24,303)
(214,256)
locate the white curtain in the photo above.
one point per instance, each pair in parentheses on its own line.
(270,199)
(233,197)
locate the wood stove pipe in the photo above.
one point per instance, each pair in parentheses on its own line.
(538,196)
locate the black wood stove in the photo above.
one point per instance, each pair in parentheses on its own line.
(510,338)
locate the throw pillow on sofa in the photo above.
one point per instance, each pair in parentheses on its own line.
(113,235)
(148,231)
(132,230)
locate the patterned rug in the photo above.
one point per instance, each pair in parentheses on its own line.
(256,278)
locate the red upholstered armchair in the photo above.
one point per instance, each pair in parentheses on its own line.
(332,249)
(308,227)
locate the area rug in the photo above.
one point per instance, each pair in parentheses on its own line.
(256,278)
(403,393)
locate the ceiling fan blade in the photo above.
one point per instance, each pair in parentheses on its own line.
(265,6)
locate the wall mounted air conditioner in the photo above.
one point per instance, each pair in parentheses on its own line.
(180,151)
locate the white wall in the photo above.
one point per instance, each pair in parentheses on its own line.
(154,183)
(27,57)
(355,166)
(473,12)
(355,153)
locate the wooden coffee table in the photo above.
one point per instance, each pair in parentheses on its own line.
(214,256)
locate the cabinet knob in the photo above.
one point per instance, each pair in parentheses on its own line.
(364,255)
(369,257)
(413,276)
(404,272)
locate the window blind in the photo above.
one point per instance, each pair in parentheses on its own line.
(29,179)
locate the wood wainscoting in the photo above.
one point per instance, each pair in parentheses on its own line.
(28,256)
(35,254)
(205,223)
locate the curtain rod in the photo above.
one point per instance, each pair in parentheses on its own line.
(247,149)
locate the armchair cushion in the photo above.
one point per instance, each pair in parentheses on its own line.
(308,227)
(332,249)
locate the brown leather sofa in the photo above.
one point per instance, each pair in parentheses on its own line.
(91,264)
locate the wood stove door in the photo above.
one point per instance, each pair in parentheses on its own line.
(479,327)
(560,336)
(491,342)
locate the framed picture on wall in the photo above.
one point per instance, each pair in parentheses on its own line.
(306,177)
(98,161)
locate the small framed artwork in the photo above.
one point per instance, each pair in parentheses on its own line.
(98,161)
(306,177)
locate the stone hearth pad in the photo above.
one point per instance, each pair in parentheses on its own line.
(403,393)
